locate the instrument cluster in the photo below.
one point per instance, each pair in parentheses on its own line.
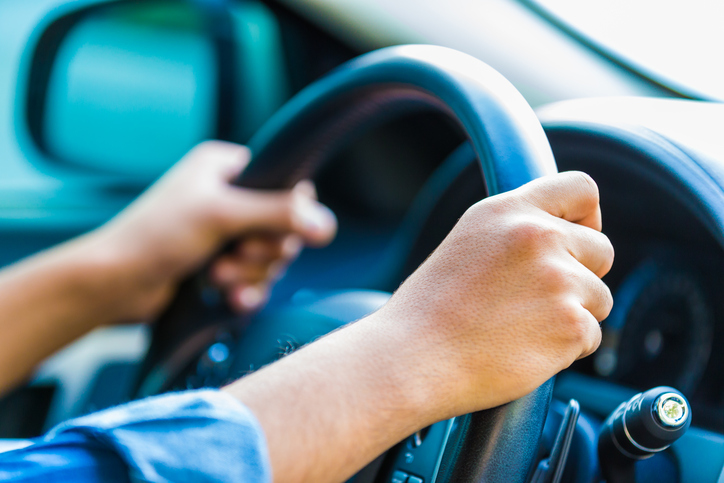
(667,328)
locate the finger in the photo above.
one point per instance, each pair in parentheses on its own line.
(260,247)
(230,270)
(591,248)
(306,187)
(268,247)
(595,295)
(281,212)
(219,159)
(593,334)
(247,298)
(572,196)
(291,247)
(244,210)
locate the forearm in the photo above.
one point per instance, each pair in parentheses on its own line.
(128,269)
(52,298)
(332,407)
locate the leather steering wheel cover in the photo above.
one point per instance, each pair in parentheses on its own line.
(497,445)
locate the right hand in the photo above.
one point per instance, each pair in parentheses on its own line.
(511,297)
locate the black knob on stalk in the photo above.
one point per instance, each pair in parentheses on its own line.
(644,425)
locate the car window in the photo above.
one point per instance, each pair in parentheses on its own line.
(677,44)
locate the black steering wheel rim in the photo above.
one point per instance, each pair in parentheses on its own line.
(497,445)
(502,128)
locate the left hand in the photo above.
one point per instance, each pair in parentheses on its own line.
(191,213)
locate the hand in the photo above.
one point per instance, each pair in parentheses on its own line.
(511,297)
(191,213)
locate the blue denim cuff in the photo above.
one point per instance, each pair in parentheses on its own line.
(200,436)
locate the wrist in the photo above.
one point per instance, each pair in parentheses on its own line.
(436,369)
(353,394)
(108,277)
(405,369)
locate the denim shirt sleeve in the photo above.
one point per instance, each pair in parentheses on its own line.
(200,436)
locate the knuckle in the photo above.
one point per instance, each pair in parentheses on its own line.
(601,251)
(585,182)
(599,297)
(479,210)
(585,186)
(493,206)
(603,242)
(584,332)
(534,233)
(291,212)
(597,338)
(608,250)
(575,321)
(606,301)
(203,150)
(218,152)
(557,278)
(593,343)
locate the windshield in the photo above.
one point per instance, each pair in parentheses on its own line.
(677,44)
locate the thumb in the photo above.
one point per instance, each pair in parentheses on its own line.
(290,211)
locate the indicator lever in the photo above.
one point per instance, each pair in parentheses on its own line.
(550,470)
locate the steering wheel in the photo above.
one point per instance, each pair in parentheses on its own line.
(497,445)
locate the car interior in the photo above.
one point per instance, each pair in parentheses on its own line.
(98,98)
